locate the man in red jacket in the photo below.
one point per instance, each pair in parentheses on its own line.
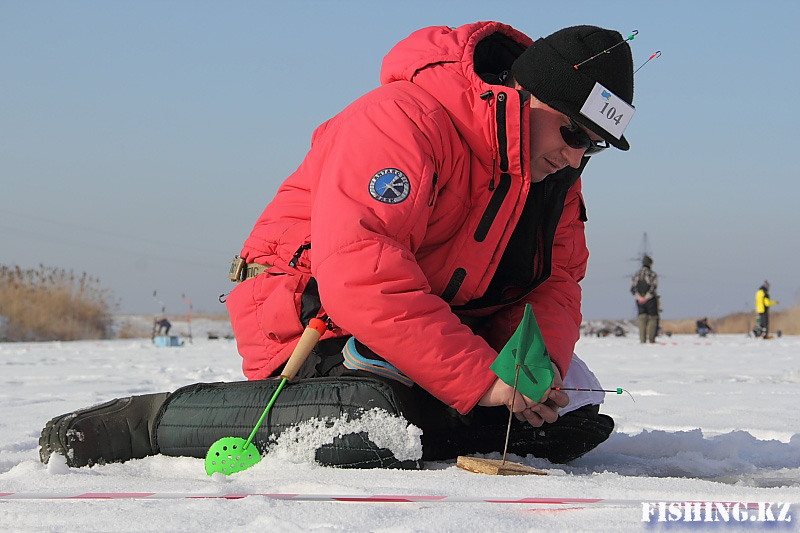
(432,209)
(424,218)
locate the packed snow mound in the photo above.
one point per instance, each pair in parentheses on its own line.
(736,457)
(300,443)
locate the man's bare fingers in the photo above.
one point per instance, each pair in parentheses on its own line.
(519,402)
(527,401)
(557,399)
(532,417)
(546,413)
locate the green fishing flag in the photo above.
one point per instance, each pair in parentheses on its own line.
(525,349)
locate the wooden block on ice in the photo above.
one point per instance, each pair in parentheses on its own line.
(495,467)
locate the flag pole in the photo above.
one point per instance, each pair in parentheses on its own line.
(510,415)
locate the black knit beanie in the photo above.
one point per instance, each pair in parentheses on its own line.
(547,70)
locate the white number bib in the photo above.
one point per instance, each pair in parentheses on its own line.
(607,110)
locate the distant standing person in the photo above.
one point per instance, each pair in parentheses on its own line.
(643,288)
(763,303)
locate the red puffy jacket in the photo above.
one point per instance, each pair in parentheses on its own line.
(401,212)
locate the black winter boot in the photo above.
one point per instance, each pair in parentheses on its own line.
(112,432)
(568,438)
(484,431)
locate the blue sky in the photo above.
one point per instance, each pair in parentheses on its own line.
(139,141)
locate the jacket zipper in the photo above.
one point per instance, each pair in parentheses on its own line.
(502,136)
(433,189)
(499,191)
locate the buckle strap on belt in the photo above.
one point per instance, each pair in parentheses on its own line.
(240,270)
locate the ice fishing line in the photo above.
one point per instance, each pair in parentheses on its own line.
(633,34)
(654,56)
(618,390)
(607,50)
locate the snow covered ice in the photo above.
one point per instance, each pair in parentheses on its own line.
(714,419)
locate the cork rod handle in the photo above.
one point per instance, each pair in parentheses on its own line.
(308,340)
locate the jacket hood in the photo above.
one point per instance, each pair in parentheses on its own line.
(453,64)
(443,44)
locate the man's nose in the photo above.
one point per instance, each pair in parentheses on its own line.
(573,156)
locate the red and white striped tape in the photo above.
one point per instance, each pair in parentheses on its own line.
(356,498)
(396,498)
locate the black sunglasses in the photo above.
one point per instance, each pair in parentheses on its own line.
(575,137)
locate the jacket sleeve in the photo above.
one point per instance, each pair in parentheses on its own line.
(556,303)
(653,287)
(651,280)
(362,250)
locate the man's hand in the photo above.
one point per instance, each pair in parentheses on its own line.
(535,413)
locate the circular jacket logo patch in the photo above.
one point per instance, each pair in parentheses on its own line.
(389,186)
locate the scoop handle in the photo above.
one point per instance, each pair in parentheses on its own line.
(308,340)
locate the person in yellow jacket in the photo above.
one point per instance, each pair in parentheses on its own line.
(763,303)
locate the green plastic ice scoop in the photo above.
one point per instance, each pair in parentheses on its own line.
(234,454)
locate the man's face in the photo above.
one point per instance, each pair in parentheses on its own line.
(549,152)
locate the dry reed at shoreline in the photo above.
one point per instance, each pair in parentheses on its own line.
(786,321)
(48,304)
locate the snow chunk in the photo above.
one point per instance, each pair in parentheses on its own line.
(300,443)
(57,465)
